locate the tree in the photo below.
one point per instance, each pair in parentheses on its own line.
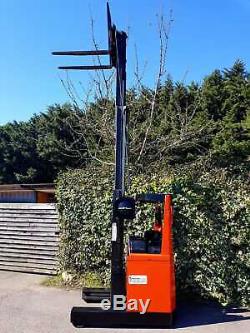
(232,138)
(19,160)
(56,140)
(173,124)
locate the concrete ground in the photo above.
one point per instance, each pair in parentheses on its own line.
(28,307)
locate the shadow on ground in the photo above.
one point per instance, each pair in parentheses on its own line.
(206,313)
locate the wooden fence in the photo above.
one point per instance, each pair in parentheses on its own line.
(29,237)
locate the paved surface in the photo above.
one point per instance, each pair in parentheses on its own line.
(28,307)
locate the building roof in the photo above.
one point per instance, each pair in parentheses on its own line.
(46,187)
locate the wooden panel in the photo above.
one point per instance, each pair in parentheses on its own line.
(34,212)
(27,206)
(27,269)
(19,248)
(27,264)
(29,214)
(25,242)
(29,242)
(29,251)
(26,260)
(42,197)
(28,224)
(28,246)
(31,231)
(31,228)
(25,219)
(29,237)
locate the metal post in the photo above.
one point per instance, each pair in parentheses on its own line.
(117,259)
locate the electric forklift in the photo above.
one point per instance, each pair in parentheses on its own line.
(145,274)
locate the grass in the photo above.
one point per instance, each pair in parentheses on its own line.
(54,281)
(74,281)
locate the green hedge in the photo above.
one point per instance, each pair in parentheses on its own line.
(211,229)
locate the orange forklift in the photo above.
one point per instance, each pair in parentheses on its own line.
(142,293)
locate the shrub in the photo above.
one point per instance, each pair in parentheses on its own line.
(211,228)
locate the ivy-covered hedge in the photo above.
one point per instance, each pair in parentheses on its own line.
(211,229)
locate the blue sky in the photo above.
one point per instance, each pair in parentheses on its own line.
(205,35)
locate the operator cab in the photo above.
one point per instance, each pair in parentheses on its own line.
(150,261)
(152,239)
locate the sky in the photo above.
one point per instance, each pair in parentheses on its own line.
(205,35)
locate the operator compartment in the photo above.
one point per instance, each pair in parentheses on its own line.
(150,275)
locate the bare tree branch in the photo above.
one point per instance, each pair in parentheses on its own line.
(164,32)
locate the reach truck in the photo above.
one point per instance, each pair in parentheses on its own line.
(145,275)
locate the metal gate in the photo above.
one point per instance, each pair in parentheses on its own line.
(29,237)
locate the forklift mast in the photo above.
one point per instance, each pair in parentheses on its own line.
(117,59)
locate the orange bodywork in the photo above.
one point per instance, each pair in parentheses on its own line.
(155,272)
